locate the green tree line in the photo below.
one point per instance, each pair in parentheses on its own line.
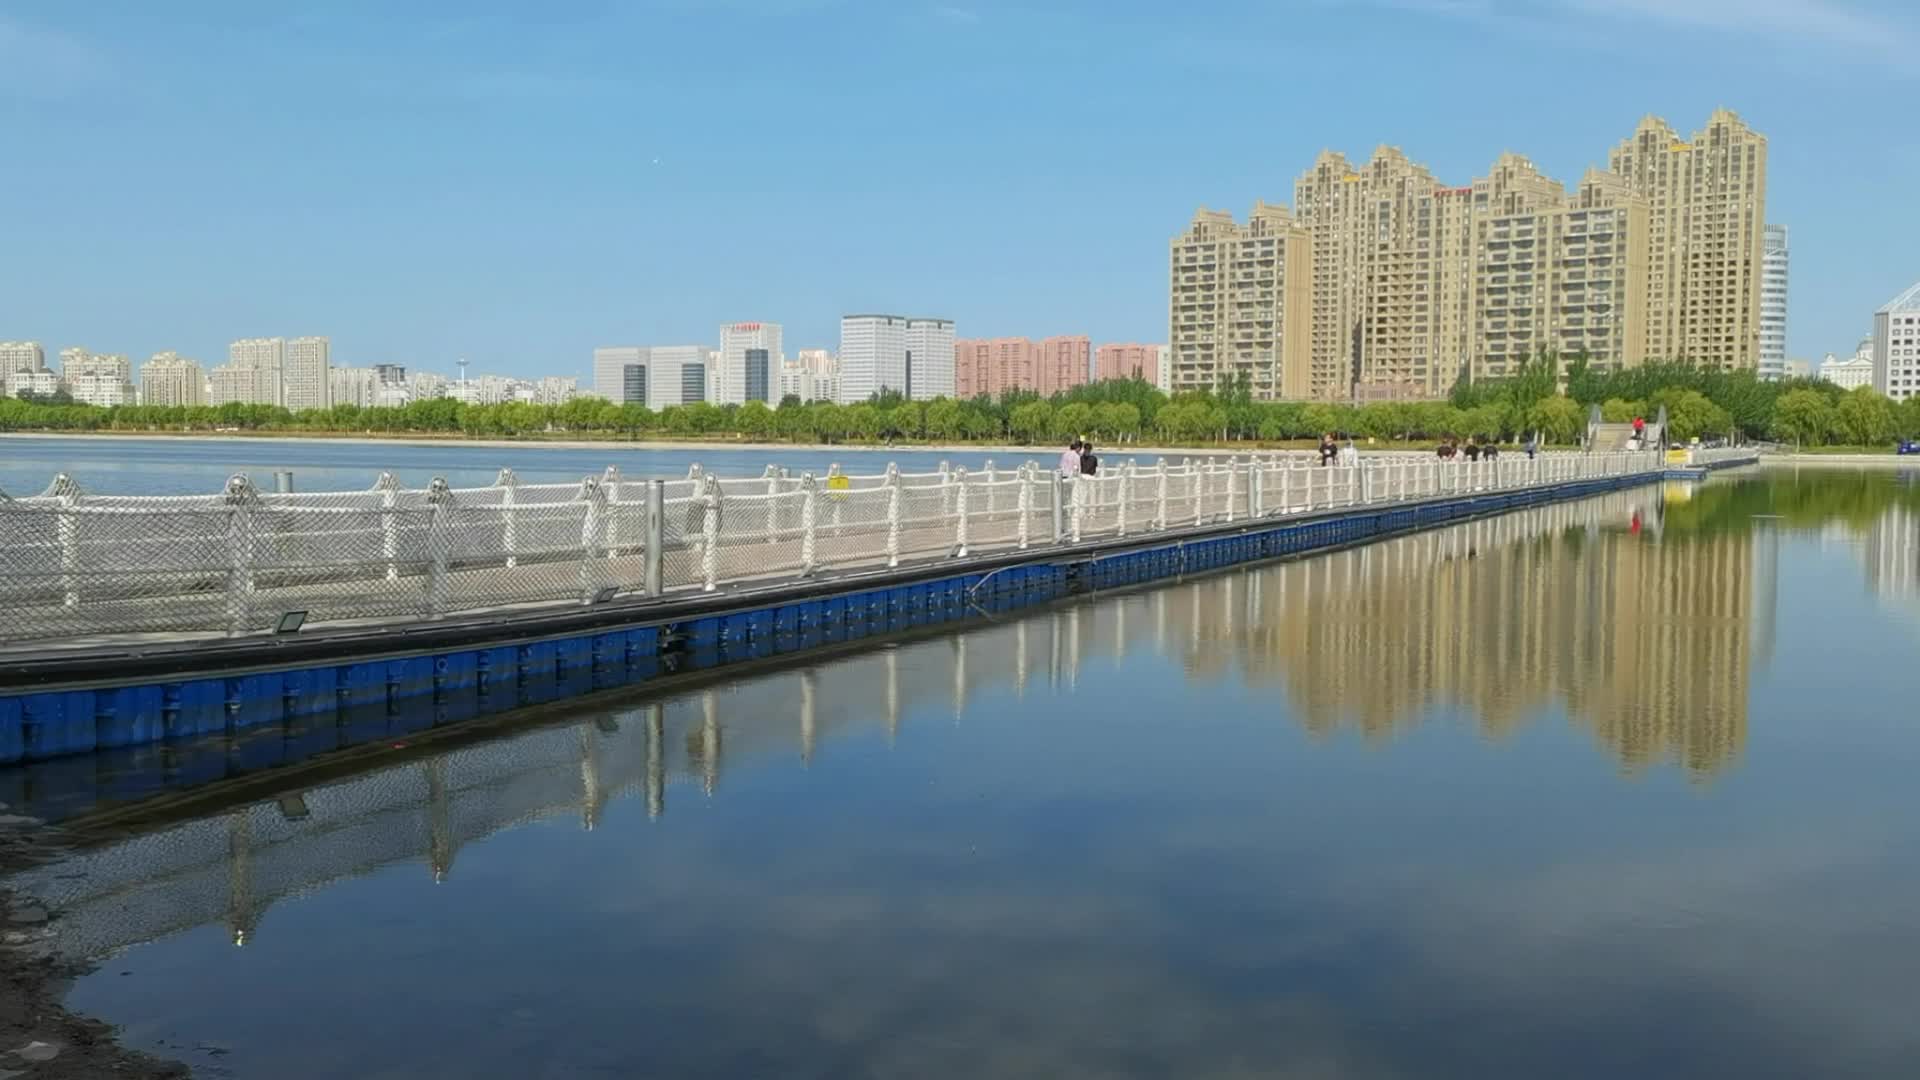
(1541,398)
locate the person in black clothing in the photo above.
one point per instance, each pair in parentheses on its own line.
(1328,449)
(1089,462)
(1473,450)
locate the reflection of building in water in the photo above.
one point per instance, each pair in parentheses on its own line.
(1892,556)
(1646,642)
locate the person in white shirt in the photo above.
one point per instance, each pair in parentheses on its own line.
(1070,459)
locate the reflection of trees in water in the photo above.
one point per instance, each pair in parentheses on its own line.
(1645,642)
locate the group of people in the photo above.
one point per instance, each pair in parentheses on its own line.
(1078,459)
(1473,451)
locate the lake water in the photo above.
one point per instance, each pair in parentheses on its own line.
(1615,788)
(166,466)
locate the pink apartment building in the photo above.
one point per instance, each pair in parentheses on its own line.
(994,366)
(1127,361)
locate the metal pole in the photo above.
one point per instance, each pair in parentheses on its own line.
(283,481)
(656,536)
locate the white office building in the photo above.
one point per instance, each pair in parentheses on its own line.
(1773,303)
(929,359)
(749,363)
(1896,346)
(303,374)
(911,356)
(1855,371)
(39,384)
(655,376)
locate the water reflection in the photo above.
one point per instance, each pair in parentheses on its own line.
(1358,815)
(1644,638)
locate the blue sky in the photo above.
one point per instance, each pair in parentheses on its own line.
(517,183)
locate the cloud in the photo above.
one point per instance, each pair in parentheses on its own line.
(956,14)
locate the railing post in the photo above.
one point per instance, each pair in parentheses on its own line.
(655,554)
(1126,495)
(1233,474)
(840,503)
(1256,492)
(993,495)
(773,505)
(809,525)
(1197,483)
(960,514)
(389,489)
(439,545)
(1286,487)
(509,485)
(1059,507)
(1160,496)
(710,535)
(1366,482)
(68,529)
(592,533)
(1023,503)
(241,499)
(1082,493)
(893,515)
(610,490)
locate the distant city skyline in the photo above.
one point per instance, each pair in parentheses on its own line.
(498,185)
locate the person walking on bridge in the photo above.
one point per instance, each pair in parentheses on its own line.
(1070,459)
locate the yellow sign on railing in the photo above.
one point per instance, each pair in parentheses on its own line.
(1679,457)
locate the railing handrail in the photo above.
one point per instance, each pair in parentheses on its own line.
(75,564)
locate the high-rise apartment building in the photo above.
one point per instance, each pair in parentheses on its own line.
(910,356)
(77,361)
(996,365)
(1773,303)
(21,357)
(1127,361)
(1241,303)
(1065,361)
(1415,283)
(1708,203)
(100,379)
(356,386)
(749,363)
(171,379)
(655,376)
(1896,346)
(813,375)
(263,358)
(303,373)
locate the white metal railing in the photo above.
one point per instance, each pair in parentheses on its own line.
(74,564)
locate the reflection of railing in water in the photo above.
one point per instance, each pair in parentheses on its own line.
(232,867)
